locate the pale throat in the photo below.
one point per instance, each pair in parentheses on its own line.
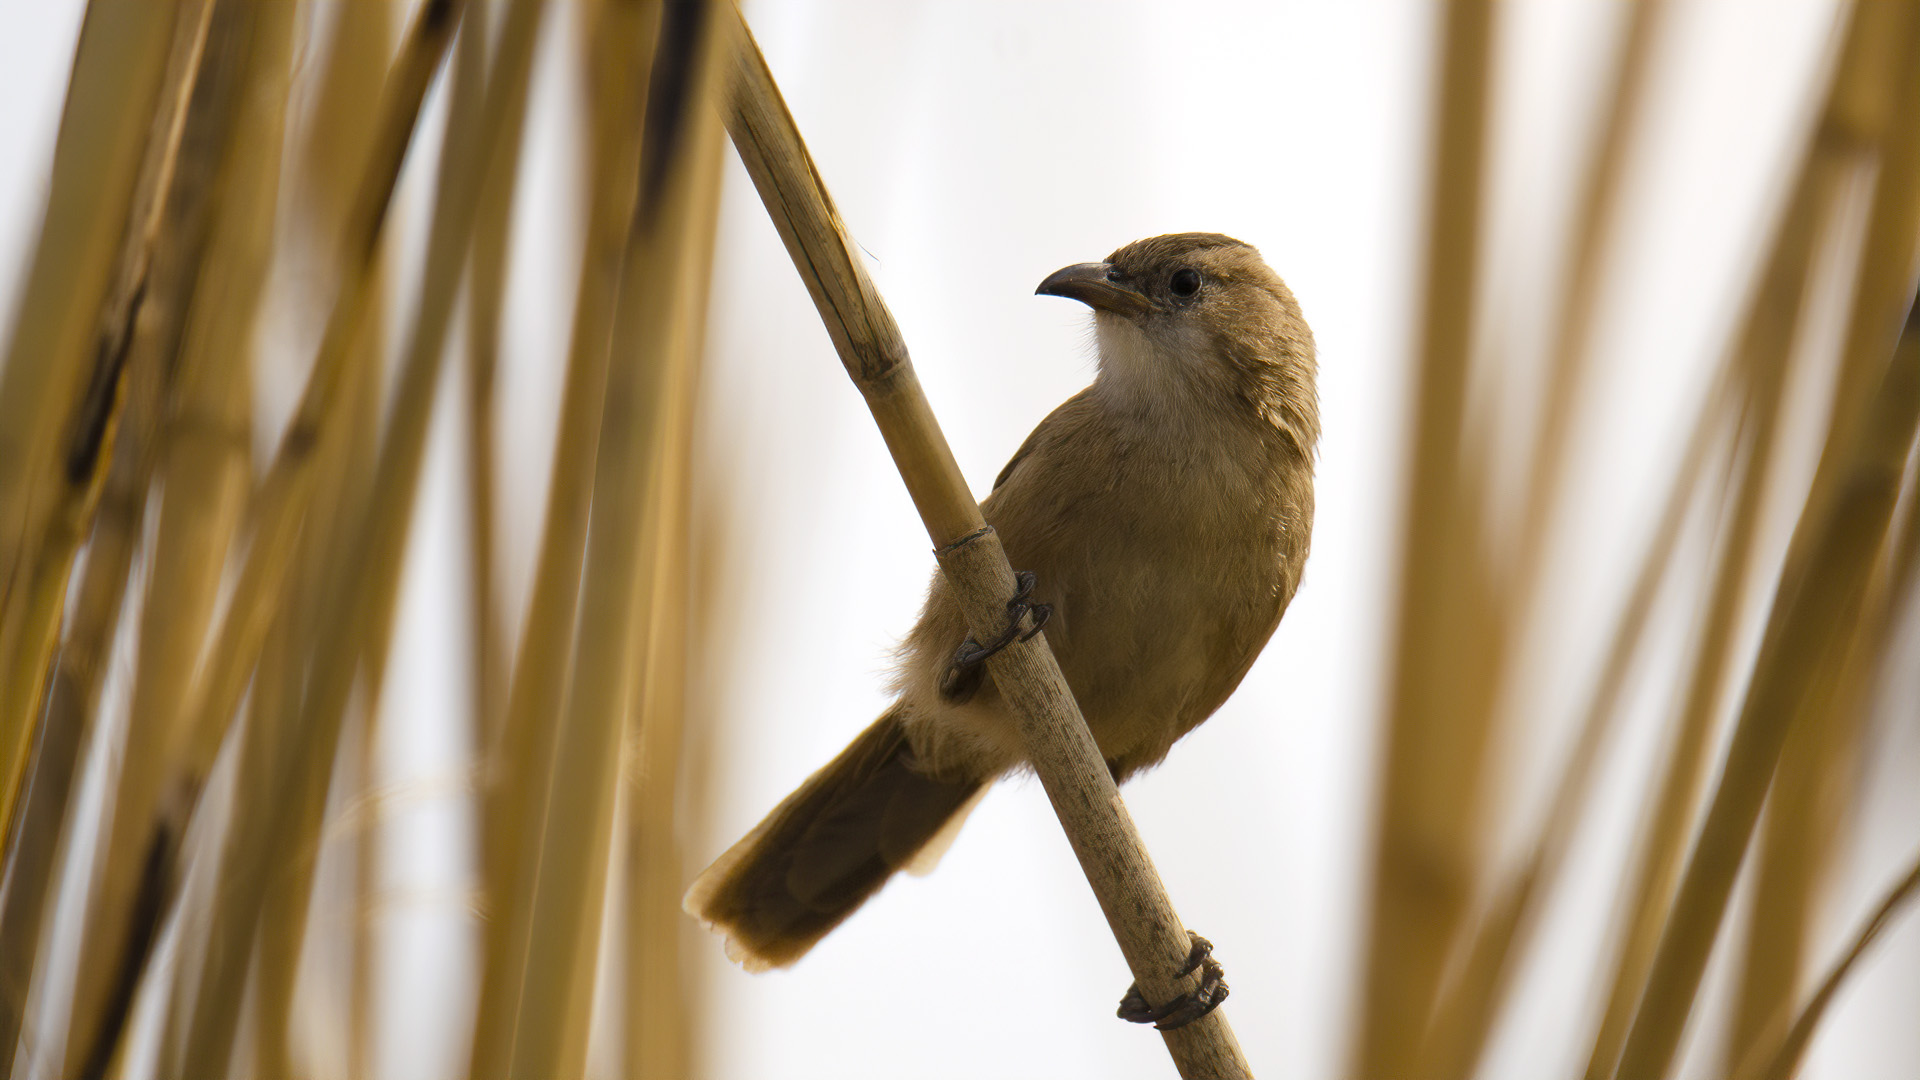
(1167,376)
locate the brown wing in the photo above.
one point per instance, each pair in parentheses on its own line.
(1040,434)
(960,684)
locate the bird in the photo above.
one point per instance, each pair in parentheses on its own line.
(1163,514)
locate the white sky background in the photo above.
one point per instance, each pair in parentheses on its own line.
(974,148)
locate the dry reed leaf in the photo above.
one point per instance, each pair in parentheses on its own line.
(1779,1058)
(122,56)
(1762,361)
(72,707)
(1763,350)
(50,484)
(566,899)
(658,1012)
(275,515)
(1818,786)
(1810,804)
(355,612)
(336,147)
(1466,1011)
(1470,1005)
(1834,549)
(1427,858)
(486,303)
(205,469)
(1595,223)
(618,43)
(279,504)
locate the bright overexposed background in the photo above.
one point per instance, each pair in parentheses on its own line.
(973,148)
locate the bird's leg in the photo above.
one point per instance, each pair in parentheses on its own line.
(1188,1007)
(971,653)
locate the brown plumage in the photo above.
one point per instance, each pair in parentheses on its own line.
(1165,511)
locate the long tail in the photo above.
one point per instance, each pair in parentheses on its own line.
(826,849)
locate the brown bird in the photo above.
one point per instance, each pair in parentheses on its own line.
(1164,513)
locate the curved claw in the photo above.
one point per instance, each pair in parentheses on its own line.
(1188,1007)
(962,676)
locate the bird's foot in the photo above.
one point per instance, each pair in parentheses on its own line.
(1188,1007)
(972,653)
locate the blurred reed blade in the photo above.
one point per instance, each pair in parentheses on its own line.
(1814,782)
(1846,128)
(1427,854)
(486,307)
(1835,546)
(23,906)
(276,511)
(331,560)
(334,153)
(369,553)
(49,486)
(658,1010)
(68,722)
(1466,1013)
(619,44)
(565,901)
(1595,218)
(355,611)
(191,296)
(1810,804)
(1779,1058)
(123,54)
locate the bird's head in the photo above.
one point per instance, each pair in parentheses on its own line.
(1198,319)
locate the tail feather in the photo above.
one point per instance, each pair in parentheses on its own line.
(827,848)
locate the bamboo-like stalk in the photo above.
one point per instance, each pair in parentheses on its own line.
(72,706)
(268,614)
(619,44)
(334,152)
(1467,1011)
(59,509)
(1770,1047)
(355,614)
(657,1008)
(1806,809)
(56,759)
(1595,224)
(278,508)
(122,56)
(565,901)
(1427,848)
(1059,746)
(1779,1059)
(486,305)
(175,251)
(205,469)
(1812,802)
(1768,331)
(366,560)
(1822,587)
(1806,800)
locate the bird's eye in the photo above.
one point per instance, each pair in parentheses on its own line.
(1185,282)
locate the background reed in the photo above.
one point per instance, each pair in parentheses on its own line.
(294,482)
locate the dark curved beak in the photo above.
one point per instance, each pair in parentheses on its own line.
(1098,287)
